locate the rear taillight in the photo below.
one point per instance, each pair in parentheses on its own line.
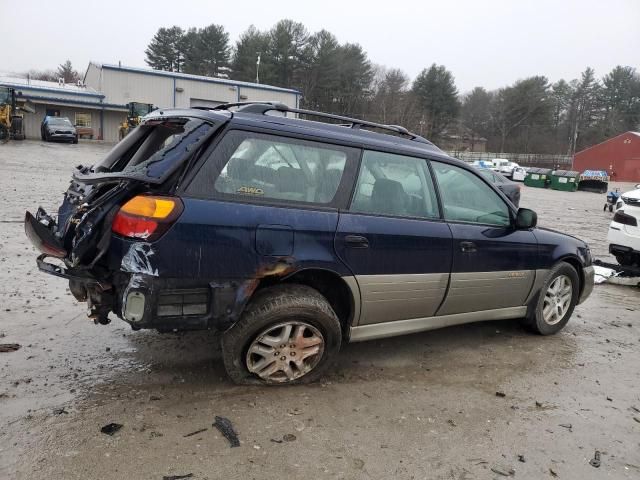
(146,217)
(625,219)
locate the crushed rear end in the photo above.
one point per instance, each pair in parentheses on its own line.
(80,243)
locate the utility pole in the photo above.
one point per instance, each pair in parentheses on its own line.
(258,69)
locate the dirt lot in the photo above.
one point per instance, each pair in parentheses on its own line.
(421,406)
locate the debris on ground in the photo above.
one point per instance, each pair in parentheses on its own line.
(275,440)
(501,394)
(452,423)
(177,477)
(504,471)
(568,426)
(9,347)
(595,461)
(553,472)
(225,427)
(521,458)
(111,428)
(195,433)
(637,419)
(289,437)
(602,274)
(60,411)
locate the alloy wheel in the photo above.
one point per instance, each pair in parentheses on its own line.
(285,352)
(557,300)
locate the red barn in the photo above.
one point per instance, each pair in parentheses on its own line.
(619,156)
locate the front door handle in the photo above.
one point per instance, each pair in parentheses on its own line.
(468,247)
(356,241)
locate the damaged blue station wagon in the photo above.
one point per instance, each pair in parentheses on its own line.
(293,236)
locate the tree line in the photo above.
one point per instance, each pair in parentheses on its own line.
(65,71)
(532,115)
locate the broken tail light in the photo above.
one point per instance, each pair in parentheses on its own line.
(146,217)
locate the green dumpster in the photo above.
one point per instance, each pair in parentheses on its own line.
(566,180)
(537,177)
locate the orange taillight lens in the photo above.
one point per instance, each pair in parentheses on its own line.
(146,217)
(150,207)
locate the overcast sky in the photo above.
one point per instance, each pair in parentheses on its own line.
(490,43)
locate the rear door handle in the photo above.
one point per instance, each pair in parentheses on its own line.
(356,241)
(468,247)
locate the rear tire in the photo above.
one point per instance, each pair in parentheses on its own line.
(555,301)
(297,316)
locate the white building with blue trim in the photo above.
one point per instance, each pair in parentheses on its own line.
(99,102)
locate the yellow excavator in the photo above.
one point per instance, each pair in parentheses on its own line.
(137,110)
(11,122)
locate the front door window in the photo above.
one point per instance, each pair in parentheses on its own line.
(395,185)
(466,198)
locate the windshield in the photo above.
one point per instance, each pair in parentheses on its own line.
(5,95)
(59,121)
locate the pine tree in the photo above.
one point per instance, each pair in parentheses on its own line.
(437,99)
(245,55)
(166,50)
(67,72)
(206,50)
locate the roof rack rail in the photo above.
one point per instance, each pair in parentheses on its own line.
(262,108)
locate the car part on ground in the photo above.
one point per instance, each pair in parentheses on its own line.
(616,274)
(291,236)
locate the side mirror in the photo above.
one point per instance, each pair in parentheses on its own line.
(638,185)
(526,219)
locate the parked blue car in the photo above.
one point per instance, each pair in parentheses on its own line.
(292,236)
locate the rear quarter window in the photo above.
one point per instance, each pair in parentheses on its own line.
(261,167)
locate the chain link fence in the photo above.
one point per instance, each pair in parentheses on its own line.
(542,160)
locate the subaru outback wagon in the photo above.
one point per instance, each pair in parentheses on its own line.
(293,236)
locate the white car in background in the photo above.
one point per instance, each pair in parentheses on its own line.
(518,174)
(503,166)
(498,163)
(624,231)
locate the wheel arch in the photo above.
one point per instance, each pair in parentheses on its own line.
(577,264)
(343,295)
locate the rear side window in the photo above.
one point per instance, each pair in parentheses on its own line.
(396,185)
(466,198)
(259,166)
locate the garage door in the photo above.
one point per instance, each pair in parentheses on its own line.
(199,102)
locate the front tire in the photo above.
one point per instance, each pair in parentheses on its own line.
(288,334)
(556,300)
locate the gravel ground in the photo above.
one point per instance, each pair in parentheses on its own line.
(420,406)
